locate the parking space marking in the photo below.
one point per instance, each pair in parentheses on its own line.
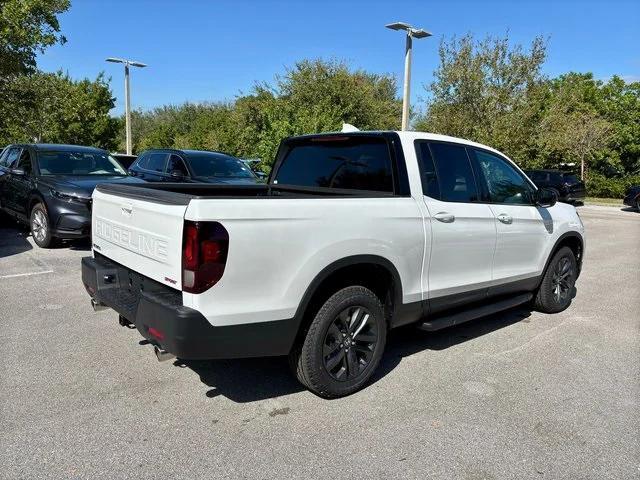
(28,274)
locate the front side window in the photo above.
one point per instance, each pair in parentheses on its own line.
(12,157)
(455,176)
(342,162)
(78,163)
(24,162)
(504,184)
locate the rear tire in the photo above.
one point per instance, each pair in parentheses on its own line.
(343,345)
(557,287)
(40,226)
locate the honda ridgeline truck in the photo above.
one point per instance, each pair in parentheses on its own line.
(352,235)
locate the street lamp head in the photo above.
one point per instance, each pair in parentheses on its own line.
(413,32)
(399,26)
(419,33)
(132,63)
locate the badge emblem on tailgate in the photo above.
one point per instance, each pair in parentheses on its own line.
(127,209)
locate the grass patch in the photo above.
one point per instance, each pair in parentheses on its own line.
(611,202)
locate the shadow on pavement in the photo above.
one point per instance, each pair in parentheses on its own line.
(250,380)
(13,237)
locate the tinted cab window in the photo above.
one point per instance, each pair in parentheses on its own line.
(455,179)
(341,162)
(501,182)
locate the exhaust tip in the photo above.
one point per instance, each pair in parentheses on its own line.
(162,355)
(97,306)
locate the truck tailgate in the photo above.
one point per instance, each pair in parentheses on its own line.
(143,235)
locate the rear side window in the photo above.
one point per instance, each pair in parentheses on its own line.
(428,175)
(570,178)
(556,178)
(343,162)
(455,176)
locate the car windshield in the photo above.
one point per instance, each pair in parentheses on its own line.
(78,163)
(218,165)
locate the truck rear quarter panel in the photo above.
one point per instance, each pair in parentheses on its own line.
(278,245)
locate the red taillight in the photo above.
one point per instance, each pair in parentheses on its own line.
(156,333)
(204,255)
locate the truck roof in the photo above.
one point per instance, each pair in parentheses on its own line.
(408,135)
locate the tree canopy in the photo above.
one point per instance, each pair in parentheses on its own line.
(26,28)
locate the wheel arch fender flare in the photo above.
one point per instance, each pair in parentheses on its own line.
(35,197)
(563,240)
(350,261)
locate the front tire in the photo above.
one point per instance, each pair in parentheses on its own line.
(557,287)
(40,226)
(344,344)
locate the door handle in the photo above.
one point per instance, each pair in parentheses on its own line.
(504,218)
(445,217)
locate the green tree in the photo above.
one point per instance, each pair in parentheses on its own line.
(51,107)
(26,28)
(489,91)
(315,96)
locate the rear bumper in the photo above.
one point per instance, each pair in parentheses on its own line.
(157,312)
(571,197)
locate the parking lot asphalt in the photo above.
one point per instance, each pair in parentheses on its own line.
(515,395)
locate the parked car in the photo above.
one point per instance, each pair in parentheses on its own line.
(632,197)
(354,234)
(124,160)
(164,165)
(49,187)
(569,187)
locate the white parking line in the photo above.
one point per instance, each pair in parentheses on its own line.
(26,274)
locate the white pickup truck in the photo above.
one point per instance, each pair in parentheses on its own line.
(353,234)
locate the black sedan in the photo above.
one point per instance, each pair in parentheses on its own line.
(632,197)
(166,165)
(49,187)
(569,187)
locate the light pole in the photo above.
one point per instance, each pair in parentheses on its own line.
(411,34)
(127,95)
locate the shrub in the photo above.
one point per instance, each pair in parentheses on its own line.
(600,186)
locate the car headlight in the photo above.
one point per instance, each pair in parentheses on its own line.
(69,197)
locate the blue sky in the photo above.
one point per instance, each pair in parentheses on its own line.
(214,50)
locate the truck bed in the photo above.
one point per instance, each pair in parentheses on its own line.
(183,193)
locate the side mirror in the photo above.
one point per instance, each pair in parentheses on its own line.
(176,174)
(546,197)
(261,175)
(19,172)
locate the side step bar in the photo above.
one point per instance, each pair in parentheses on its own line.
(445,321)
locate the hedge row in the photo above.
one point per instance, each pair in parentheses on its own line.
(600,186)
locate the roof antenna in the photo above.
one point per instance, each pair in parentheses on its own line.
(348,128)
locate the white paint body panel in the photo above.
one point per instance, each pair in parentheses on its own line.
(278,245)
